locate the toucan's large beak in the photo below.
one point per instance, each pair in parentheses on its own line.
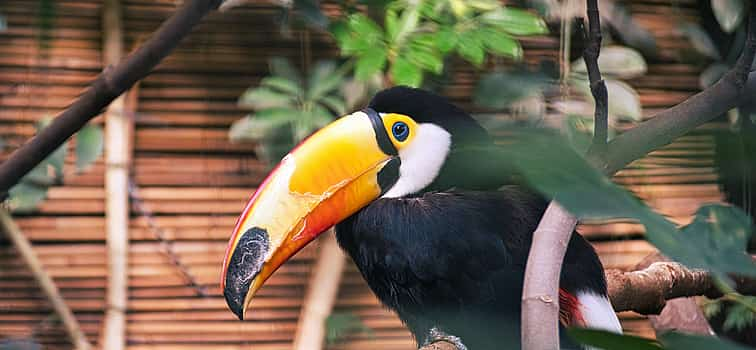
(328,177)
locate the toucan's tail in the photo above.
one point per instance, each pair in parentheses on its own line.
(587,309)
(597,312)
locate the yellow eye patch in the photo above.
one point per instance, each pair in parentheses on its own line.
(400,128)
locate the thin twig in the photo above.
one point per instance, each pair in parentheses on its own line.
(592,39)
(111,83)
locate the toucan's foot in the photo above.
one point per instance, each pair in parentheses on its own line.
(436,335)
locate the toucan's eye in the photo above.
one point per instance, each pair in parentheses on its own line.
(400,131)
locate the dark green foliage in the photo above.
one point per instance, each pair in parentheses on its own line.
(339,325)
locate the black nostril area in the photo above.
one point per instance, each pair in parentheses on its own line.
(246,262)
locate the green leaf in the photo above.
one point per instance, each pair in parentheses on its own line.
(499,90)
(282,84)
(580,138)
(341,324)
(740,316)
(500,43)
(365,28)
(335,104)
(392,25)
(282,67)
(446,39)
(516,22)
(404,72)
(324,79)
(58,159)
(679,341)
(358,34)
(701,40)
(729,13)
(89,146)
(711,308)
(470,47)
(425,57)
(262,125)
(25,197)
(569,179)
(712,74)
(611,341)
(263,98)
(319,117)
(373,61)
(618,61)
(721,233)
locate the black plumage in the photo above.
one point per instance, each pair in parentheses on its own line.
(453,255)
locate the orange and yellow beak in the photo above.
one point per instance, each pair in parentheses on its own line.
(328,177)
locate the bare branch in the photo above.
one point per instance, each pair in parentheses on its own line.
(736,87)
(646,291)
(592,38)
(111,83)
(540,293)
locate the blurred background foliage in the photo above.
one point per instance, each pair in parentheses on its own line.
(32,189)
(412,42)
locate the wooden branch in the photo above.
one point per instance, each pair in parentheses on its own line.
(117,156)
(24,247)
(680,314)
(439,345)
(646,291)
(736,87)
(321,294)
(111,83)
(540,292)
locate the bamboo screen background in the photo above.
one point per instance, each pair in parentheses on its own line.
(193,182)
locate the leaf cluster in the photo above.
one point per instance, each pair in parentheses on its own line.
(417,36)
(289,105)
(32,189)
(669,341)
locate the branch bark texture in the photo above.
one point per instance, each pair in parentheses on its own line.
(111,83)
(540,293)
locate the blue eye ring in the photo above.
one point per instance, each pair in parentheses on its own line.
(400,131)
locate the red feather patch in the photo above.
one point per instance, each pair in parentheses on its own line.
(569,309)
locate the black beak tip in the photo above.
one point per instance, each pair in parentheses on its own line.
(246,262)
(235,303)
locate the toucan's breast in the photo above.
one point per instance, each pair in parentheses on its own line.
(456,260)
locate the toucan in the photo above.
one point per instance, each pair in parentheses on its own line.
(434,225)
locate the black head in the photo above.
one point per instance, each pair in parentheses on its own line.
(426,107)
(453,152)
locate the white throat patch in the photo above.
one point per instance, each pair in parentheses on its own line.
(422,160)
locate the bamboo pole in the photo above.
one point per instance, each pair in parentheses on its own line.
(321,295)
(24,247)
(117,157)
